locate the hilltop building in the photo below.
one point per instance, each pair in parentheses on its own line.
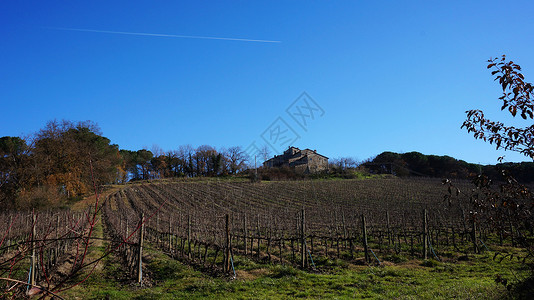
(305,161)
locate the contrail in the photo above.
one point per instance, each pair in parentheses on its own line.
(165,35)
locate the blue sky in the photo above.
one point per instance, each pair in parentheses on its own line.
(387,75)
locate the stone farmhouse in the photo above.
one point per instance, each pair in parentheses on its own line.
(305,161)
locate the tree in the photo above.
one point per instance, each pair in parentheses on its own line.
(511,204)
(14,168)
(94,151)
(206,160)
(185,155)
(236,159)
(391,163)
(216,164)
(265,152)
(173,164)
(65,153)
(158,163)
(143,158)
(517,97)
(129,164)
(63,159)
(159,166)
(343,164)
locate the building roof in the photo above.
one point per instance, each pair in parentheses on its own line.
(315,152)
(291,147)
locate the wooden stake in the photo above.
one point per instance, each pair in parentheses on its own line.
(388,228)
(364,241)
(140,257)
(32,259)
(425,235)
(227,246)
(245,233)
(170,235)
(474,234)
(189,236)
(303,239)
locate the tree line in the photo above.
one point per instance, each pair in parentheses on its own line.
(66,159)
(186,161)
(418,164)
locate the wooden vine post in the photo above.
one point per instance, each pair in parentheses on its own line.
(56,249)
(344,230)
(474,236)
(303,239)
(245,233)
(189,236)
(258,235)
(140,253)
(8,233)
(66,242)
(32,245)
(170,235)
(127,234)
(364,241)
(425,235)
(226,267)
(157,229)
(388,228)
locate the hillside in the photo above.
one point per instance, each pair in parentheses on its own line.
(385,238)
(267,231)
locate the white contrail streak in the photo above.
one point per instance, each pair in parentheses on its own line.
(165,35)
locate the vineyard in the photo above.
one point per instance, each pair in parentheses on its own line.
(215,226)
(209,224)
(40,251)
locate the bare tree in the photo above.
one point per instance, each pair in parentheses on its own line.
(236,159)
(265,152)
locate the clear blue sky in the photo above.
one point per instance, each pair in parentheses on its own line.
(388,75)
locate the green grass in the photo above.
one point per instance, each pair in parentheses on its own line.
(414,279)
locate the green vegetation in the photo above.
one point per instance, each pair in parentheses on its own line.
(474,278)
(61,161)
(418,164)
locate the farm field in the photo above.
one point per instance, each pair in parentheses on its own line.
(373,238)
